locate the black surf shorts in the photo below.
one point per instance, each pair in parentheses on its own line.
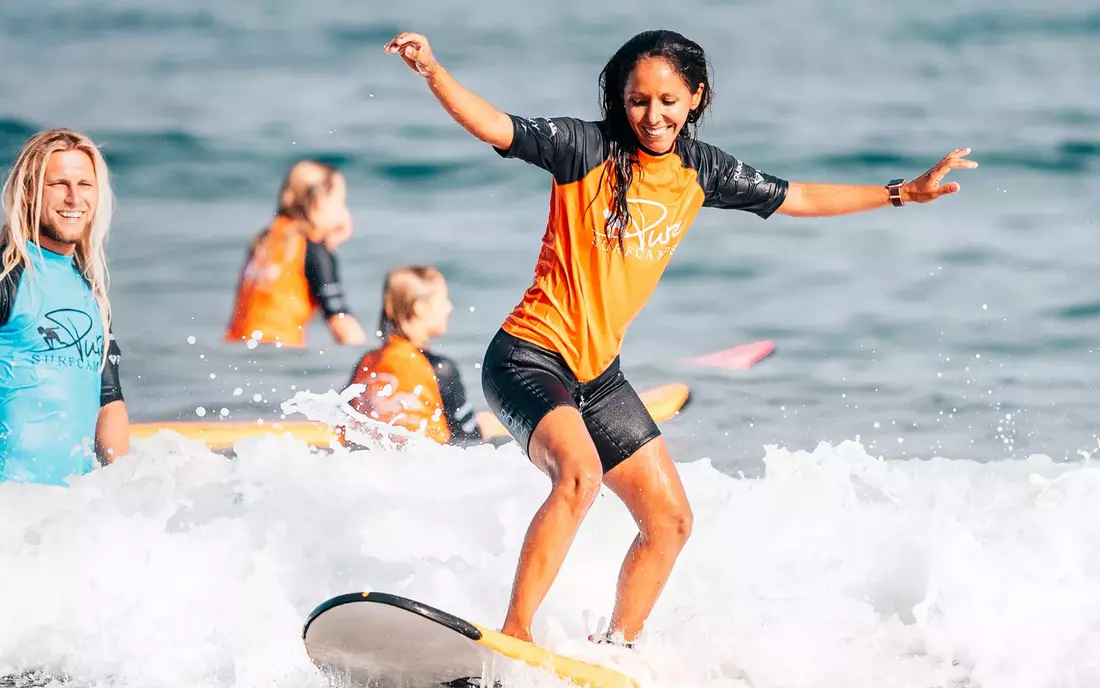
(523,382)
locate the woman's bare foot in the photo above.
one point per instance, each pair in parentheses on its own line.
(523,634)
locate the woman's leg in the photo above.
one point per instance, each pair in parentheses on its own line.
(531,392)
(638,469)
(650,486)
(561,447)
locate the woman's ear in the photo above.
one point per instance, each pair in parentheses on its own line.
(697,97)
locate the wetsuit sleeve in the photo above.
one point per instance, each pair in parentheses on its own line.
(9,287)
(456,407)
(567,147)
(7,300)
(324,280)
(111,387)
(731,184)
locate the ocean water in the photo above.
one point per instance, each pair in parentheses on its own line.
(901,494)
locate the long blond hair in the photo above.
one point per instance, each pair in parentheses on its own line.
(405,286)
(22,198)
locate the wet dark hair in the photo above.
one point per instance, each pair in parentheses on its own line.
(690,62)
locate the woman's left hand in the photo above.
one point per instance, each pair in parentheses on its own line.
(926,188)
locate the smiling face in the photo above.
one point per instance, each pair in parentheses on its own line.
(69,196)
(658,103)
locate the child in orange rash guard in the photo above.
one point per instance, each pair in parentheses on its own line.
(407,385)
(291,268)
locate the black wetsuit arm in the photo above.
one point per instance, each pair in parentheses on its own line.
(731,184)
(111,386)
(456,407)
(567,147)
(324,280)
(9,287)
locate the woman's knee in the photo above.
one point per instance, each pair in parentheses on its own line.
(671,525)
(562,448)
(579,486)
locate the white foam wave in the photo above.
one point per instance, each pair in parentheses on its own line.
(178,567)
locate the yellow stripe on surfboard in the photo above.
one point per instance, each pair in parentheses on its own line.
(575,671)
(663,403)
(222,435)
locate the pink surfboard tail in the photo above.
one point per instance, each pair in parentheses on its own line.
(740,357)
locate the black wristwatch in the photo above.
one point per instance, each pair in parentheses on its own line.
(894,186)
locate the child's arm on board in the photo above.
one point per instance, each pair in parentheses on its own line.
(476,116)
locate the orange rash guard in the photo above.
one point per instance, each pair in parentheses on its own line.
(586,289)
(417,390)
(286,279)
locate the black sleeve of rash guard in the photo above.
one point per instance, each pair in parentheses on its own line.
(9,287)
(111,387)
(456,407)
(567,147)
(731,184)
(324,280)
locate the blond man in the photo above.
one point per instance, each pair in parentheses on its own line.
(61,402)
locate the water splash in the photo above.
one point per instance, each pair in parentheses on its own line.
(179,567)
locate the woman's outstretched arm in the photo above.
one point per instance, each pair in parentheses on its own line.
(811,199)
(470,110)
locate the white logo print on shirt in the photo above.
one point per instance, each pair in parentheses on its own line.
(645,239)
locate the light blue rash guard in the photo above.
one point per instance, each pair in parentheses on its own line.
(51,386)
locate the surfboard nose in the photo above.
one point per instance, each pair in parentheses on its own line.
(384,640)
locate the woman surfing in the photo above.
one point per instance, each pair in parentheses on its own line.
(624,192)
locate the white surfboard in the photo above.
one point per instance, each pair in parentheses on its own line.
(378,639)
